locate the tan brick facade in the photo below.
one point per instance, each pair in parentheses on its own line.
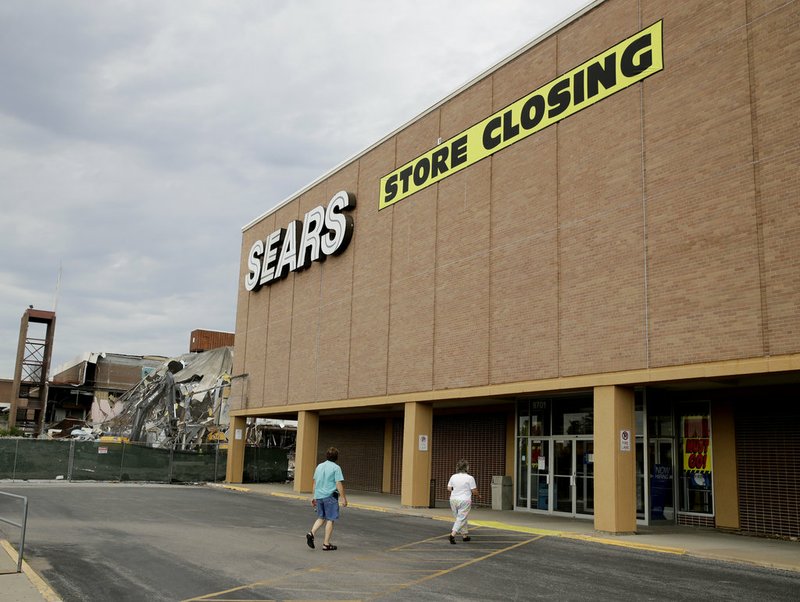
(656,228)
(651,236)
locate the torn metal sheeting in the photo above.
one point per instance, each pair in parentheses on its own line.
(180,405)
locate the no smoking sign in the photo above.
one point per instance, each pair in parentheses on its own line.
(625,440)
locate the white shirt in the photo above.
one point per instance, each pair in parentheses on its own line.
(461,485)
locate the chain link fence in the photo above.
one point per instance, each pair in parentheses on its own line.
(28,459)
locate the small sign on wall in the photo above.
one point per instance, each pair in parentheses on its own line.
(423,443)
(625,440)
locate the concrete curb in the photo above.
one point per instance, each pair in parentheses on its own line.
(40,584)
(626,544)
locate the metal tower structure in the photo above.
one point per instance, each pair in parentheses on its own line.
(29,389)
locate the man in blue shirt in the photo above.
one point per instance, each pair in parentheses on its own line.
(328,489)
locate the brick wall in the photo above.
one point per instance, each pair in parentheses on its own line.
(658,227)
(478,438)
(360,445)
(767,445)
(204,340)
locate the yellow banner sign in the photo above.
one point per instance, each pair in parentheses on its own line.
(622,65)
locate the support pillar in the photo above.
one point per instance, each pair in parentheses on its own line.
(726,483)
(417,431)
(237,433)
(305,458)
(614,460)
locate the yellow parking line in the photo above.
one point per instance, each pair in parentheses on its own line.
(455,568)
(416,543)
(476,539)
(422,574)
(245,586)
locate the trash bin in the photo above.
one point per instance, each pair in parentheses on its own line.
(502,494)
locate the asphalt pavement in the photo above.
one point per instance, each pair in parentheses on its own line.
(670,539)
(498,532)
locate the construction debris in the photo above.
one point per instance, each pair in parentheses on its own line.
(181,405)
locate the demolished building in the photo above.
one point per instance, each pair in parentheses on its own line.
(180,405)
(87,388)
(183,404)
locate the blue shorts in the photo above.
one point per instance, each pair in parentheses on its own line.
(328,508)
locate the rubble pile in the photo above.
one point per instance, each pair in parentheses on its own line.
(181,405)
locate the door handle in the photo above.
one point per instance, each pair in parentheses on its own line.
(572,480)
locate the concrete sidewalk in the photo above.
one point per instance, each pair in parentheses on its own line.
(691,541)
(26,586)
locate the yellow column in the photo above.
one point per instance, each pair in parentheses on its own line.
(417,430)
(236,443)
(723,454)
(388,437)
(305,459)
(614,460)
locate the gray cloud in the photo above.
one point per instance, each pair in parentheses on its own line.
(136,138)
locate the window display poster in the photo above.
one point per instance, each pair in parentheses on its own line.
(660,490)
(696,438)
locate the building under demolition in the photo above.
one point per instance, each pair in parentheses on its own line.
(181,404)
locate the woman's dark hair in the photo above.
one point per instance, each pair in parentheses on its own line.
(332,454)
(462,466)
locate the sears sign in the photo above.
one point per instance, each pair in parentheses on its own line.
(324,231)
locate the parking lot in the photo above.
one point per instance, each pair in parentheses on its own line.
(167,542)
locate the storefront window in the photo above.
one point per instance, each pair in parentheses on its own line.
(524,419)
(696,478)
(659,419)
(540,418)
(573,417)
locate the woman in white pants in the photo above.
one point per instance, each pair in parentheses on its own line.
(461,487)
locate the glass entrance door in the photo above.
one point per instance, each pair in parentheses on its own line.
(533,490)
(573,476)
(564,476)
(540,490)
(556,475)
(584,476)
(555,454)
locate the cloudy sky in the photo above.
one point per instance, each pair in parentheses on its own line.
(137,137)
